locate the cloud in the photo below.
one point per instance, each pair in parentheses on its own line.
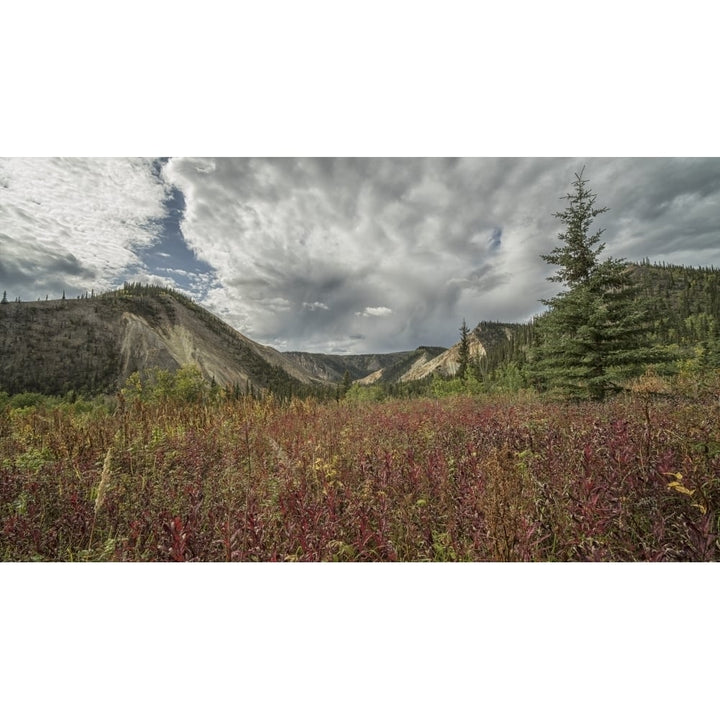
(494,241)
(434,239)
(374,312)
(315,306)
(350,231)
(74,222)
(304,253)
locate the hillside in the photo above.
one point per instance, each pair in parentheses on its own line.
(684,302)
(92,345)
(489,344)
(332,368)
(483,341)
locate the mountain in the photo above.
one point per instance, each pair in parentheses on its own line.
(91,345)
(404,368)
(485,342)
(332,368)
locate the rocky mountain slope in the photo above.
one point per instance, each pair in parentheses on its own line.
(92,345)
(406,367)
(332,368)
(486,338)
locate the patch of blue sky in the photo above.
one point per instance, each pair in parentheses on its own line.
(495,239)
(187,272)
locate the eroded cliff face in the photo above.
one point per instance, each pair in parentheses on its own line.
(364,369)
(141,347)
(447,363)
(417,365)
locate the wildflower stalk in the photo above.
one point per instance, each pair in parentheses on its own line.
(101,490)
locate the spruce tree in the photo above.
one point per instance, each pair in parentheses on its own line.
(346,384)
(595,334)
(463,351)
(577,257)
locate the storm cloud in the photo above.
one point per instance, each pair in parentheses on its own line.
(340,254)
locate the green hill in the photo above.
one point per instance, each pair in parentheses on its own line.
(91,345)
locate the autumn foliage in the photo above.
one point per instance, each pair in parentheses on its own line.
(444,480)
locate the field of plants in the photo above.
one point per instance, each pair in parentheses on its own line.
(451,479)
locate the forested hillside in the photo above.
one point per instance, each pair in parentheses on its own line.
(684,302)
(91,345)
(683,309)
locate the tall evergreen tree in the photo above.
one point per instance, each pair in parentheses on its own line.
(577,256)
(596,333)
(464,351)
(346,384)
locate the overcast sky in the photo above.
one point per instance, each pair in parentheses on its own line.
(336,254)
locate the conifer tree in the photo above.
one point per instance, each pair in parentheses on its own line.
(346,383)
(577,257)
(596,333)
(464,351)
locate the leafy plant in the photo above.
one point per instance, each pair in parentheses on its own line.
(451,479)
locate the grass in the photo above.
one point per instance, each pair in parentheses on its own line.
(457,479)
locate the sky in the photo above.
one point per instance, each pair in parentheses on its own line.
(339,255)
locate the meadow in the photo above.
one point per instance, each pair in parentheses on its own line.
(636,478)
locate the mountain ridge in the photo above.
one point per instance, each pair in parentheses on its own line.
(91,345)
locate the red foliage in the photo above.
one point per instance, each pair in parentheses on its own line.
(461,479)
